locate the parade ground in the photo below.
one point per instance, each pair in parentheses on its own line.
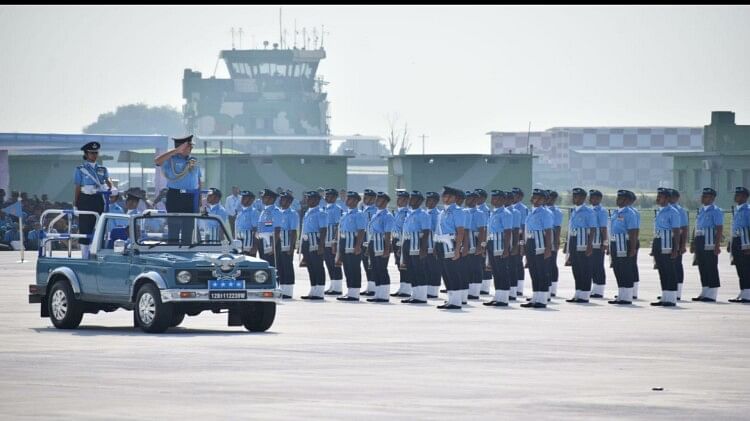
(337,360)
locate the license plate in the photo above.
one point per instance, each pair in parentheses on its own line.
(226,284)
(227,295)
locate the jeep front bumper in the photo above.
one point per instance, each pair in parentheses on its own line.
(202,296)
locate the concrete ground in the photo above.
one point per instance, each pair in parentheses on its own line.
(335,360)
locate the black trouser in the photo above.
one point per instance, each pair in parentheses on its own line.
(434,271)
(665,265)
(500,272)
(367,264)
(537,267)
(520,273)
(513,269)
(351,263)
(741,263)
(464,274)
(334,272)
(581,265)
(285,268)
(624,268)
(314,262)
(679,270)
(397,250)
(708,264)
(451,269)
(475,268)
(180,203)
(86,223)
(637,273)
(552,271)
(486,273)
(598,275)
(379,266)
(416,271)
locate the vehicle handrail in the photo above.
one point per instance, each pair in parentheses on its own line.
(47,236)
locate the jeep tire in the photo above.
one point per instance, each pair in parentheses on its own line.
(151,314)
(177,318)
(258,316)
(65,310)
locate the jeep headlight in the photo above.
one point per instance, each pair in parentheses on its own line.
(260,276)
(183,276)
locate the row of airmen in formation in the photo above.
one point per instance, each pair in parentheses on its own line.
(469,246)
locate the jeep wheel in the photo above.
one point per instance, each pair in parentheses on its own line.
(151,314)
(177,318)
(258,317)
(65,311)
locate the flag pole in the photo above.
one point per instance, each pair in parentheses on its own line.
(20,228)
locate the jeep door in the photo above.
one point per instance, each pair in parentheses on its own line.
(113,269)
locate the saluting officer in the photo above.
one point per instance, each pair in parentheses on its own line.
(739,246)
(674,200)
(432,264)
(379,231)
(523,210)
(351,236)
(557,218)
(487,272)
(399,216)
(314,226)
(449,235)
(92,186)
(414,237)
(500,231)
(624,235)
(709,226)
(246,223)
(599,244)
(269,227)
(183,174)
(285,246)
(333,212)
(538,229)
(369,209)
(580,245)
(666,247)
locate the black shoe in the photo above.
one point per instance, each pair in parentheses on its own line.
(739,300)
(540,305)
(314,297)
(511,298)
(306,297)
(330,292)
(519,294)
(663,304)
(484,293)
(400,295)
(450,307)
(347,298)
(443,291)
(367,293)
(528,298)
(377,300)
(552,295)
(286,297)
(577,300)
(620,302)
(473,297)
(432,296)
(464,303)
(705,300)
(596,296)
(407,301)
(494,303)
(417,302)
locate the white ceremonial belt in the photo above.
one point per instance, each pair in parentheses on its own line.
(304,237)
(89,189)
(699,233)
(445,237)
(265,235)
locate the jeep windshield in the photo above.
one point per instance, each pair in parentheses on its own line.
(179,230)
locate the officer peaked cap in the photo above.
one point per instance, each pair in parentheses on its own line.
(244,193)
(579,191)
(180,140)
(709,191)
(594,192)
(271,193)
(357,196)
(383,195)
(214,191)
(481,192)
(402,193)
(452,191)
(432,195)
(416,193)
(741,190)
(368,192)
(498,193)
(91,147)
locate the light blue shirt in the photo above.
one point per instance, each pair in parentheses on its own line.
(369,211)
(434,214)
(382,222)
(115,208)
(741,218)
(623,220)
(88,174)
(601,216)
(539,219)
(500,220)
(399,218)
(710,217)
(176,164)
(478,218)
(557,215)
(352,221)
(218,211)
(524,210)
(667,218)
(683,214)
(516,217)
(269,219)
(333,211)
(451,219)
(314,220)
(289,219)
(417,220)
(583,217)
(247,219)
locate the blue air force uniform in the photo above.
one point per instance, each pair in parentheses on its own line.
(434,271)
(399,216)
(245,227)
(623,228)
(678,267)
(333,212)
(351,224)
(516,256)
(499,234)
(379,230)
(598,274)
(538,223)
(314,221)
(450,222)
(284,248)
(92,180)
(553,270)
(667,219)
(523,210)
(582,222)
(269,222)
(740,243)
(369,211)
(414,236)
(708,227)
(476,262)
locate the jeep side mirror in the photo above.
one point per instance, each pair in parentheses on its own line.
(120,247)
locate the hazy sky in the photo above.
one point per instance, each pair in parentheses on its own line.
(454,73)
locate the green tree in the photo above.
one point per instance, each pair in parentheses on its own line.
(139,119)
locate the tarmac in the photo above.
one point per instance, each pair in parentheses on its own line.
(337,360)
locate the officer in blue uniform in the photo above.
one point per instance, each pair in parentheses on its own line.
(500,232)
(92,185)
(114,199)
(739,245)
(246,223)
(414,237)
(369,209)
(269,227)
(487,273)
(665,247)
(524,211)
(599,245)
(449,236)
(333,212)
(477,244)
(183,174)
(399,216)
(623,236)
(351,237)
(432,263)
(516,256)
(554,272)
(285,246)
(213,205)
(709,226)
(631,197)
(379,231)
(538,230)
(674,200)
(314,226)
(579,246)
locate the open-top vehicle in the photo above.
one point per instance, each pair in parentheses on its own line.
(162,266)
